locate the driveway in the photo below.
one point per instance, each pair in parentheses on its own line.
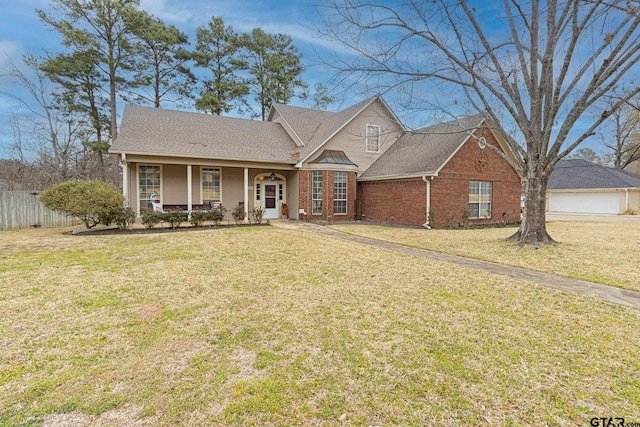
(557,216)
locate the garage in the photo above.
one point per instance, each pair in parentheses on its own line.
(580,186)
(591,202)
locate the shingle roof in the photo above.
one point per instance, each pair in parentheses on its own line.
(179,133)
(575,174)
(422,151)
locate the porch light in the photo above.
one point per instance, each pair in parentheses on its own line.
(273,176)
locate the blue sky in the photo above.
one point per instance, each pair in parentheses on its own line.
(22,31)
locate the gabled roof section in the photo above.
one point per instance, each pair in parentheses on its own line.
(315,128)
(155,131)
(580,174)
(423,152)
(333,157)
(303,123)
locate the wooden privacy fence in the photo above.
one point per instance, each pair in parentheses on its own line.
(23,209)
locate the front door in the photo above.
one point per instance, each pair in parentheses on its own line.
(270,201)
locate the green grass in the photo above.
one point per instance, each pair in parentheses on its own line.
(605,252)
(265,326)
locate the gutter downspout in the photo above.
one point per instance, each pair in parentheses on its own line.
(428,181)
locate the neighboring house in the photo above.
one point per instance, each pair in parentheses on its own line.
(580,186)
(357,163)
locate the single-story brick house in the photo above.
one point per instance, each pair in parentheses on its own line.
(580,186)
(306,164)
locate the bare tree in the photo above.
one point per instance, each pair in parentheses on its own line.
(622,136)
(535,69)
(47,146)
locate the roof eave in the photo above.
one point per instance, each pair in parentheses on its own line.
(398,176)
(587,190)
(188,156)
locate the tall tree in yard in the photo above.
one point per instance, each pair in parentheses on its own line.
(161,70)
(81,93)
(274,67)
(105,26)
(217,49)
(540,71)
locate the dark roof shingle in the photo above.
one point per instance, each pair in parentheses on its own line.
(577,174)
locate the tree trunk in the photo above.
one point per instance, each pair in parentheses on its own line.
(533,229)
(115,160)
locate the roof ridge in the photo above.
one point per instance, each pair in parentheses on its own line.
(451,122)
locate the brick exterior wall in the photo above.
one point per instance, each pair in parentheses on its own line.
(405,201)
(402,202)
(305,193)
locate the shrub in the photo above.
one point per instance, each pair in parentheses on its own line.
(150,218)
(175,217)
(108,217)
(88,200)
(217,214)
(125,217)
(238,213)
(257,213)
(197,218)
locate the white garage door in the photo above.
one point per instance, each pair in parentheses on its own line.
(602,203)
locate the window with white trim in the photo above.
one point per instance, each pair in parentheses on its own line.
(316,193)
(479,199)
(373,139)
(340,193)
(148,185)
(210,185)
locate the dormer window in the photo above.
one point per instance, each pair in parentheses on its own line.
(373,139)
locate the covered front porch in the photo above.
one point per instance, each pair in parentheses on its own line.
(192,184)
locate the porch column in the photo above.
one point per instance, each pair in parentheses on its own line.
(189,189)
(125,177)
(246,194)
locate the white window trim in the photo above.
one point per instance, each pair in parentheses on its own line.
(321,192)
(479,203)
(202,182)
(346,193)
(138,184)
(367,138)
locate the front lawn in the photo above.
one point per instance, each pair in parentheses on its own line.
(603,252)
(266,326)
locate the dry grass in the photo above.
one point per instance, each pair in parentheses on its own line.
(605,252)
(264,326)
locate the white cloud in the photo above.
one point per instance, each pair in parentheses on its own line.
(10,51)
(160,9)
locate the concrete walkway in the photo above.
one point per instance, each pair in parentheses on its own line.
(581,287)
